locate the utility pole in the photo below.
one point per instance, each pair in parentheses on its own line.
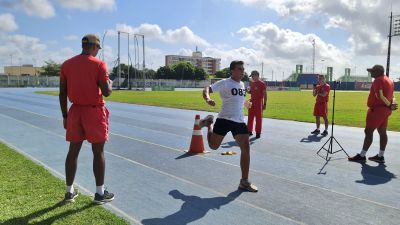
(119,61)
(262,70)
(395,25)
(313,56)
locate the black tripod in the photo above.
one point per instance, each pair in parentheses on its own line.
(329,149)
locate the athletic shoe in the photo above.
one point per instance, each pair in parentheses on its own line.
(247,186)
(70,197)
(377,158)
(250,133)
(258,136)
(207,121)
(324,133)
(316,131)
(101,199)
(357,158)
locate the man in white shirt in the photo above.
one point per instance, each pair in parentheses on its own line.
(230,118)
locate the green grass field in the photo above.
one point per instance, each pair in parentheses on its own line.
(31,195)
(287,105)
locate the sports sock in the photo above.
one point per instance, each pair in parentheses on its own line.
(363,153)
(381,153)
(100,190)
(70,189)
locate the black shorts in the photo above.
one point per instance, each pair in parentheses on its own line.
(223,126)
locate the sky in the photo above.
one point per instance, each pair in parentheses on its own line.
(270,36)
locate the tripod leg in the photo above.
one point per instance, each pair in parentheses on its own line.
(341,148)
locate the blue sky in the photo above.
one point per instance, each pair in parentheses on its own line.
(277,33)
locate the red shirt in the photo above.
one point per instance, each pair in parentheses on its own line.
(323,88)
(380,83)
(257,89)
(82,74)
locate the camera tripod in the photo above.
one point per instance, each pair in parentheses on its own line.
(329,148)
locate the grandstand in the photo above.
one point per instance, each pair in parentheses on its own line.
(306,80)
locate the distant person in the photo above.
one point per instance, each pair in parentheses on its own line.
(230,118)
(321,90)
(380,106)
(258,91)
(84,80)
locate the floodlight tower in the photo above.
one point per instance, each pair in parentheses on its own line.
(395,26)
(313,56)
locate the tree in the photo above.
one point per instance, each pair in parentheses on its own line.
(200,74)
(165,72)
(224,73)
(51,69)
(133,72)
(184,70)
(150,73)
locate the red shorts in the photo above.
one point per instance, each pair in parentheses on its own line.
(87,123)
(378,117)
(321,109)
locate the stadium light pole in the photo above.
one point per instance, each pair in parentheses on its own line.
(395,26)
(313,56)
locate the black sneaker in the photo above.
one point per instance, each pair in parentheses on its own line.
(247,186)
(250,133)
(324,133)
(377,158)
(357,158)
(316,131)
(70,197)
(258,136)
(101,199)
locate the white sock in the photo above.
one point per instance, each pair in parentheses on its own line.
(100,190)
(70,189)
(363,153)
(381,153)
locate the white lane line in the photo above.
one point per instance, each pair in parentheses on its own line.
(56,118)
(159,171)
(60,175)
(256,171)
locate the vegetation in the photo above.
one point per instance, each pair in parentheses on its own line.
(51,69)
(287,105)
(31,195)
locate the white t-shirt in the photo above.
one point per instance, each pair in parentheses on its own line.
(233,95)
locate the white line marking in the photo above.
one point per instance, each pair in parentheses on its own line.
(256,171)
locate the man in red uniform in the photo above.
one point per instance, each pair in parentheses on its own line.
(258,91)
(84,80)
(321,104)
(380,106)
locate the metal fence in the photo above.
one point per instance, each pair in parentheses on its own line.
(45,81)
(29,81)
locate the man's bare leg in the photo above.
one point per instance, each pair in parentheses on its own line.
(71,162)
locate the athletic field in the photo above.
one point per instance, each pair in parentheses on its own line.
(156,182)
(350,107)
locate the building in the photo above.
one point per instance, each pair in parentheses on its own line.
(23,70)
(209,64)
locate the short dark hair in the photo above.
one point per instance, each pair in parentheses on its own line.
(234,63)
(87,45)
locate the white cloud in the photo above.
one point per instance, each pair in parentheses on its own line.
(71,38)
(39,8)
(153,31)
(184,35)
(7,23)
(89,5)
(366,21)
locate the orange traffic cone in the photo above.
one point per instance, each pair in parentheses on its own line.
(197,144)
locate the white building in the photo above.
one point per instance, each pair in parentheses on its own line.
(209,64)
